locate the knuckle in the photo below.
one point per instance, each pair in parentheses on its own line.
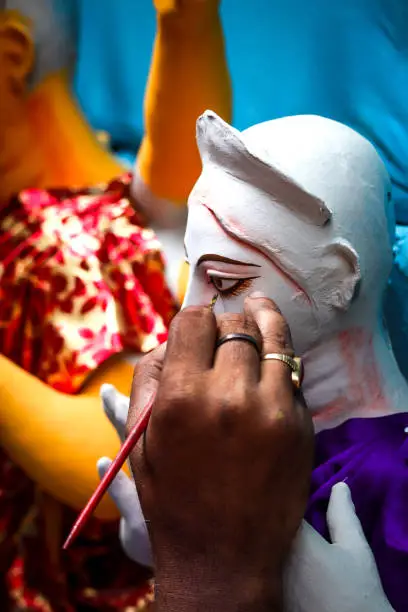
(220,399)
(277,333)
(179,393)
(243,394)
(226,414)
(230,319)
(228,404)
(290,429)
(238,323)
(191,313)
(177,399)
(189,321)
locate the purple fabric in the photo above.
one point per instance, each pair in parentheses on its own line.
(371,455)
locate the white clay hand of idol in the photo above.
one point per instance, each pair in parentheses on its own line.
(337,577)
(133,532)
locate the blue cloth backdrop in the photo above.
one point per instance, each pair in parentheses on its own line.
(346,60)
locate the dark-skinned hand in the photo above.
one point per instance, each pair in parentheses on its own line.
(224,468)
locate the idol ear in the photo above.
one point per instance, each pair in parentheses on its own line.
(340,275)
(17,56)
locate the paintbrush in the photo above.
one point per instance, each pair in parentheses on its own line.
(138,429)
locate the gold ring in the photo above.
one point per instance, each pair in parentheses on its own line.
(295,364)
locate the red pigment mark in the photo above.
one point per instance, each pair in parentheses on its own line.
(246,242)
(372,378)
(332,410)
(357,350)
(348,348)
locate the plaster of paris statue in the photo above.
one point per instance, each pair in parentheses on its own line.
(300,208)
(82,282)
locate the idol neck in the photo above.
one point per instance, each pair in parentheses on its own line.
(353,374)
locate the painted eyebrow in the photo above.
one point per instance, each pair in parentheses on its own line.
(247,243)
(213,257)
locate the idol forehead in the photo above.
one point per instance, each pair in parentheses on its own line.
(208,238)
(232,202)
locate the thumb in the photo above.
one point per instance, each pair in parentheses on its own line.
(344,526)
(122,491)
(145,383)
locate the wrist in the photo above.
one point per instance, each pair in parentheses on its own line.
(195,587)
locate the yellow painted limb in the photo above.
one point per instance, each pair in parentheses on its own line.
(70,149)
(182,281)
(165,6)
(188,75)
(56,438)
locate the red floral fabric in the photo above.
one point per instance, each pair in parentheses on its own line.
(36,576)
(81,279)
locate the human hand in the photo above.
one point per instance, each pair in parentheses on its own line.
(133,533)
(337,577)
(317,571)
(223,471)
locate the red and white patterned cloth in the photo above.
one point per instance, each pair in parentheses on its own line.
(81,279)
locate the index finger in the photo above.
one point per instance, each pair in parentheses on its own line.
(191,343)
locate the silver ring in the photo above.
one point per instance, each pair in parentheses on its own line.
(241,337)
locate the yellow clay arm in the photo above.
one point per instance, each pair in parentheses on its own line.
(188,75)
(56,438)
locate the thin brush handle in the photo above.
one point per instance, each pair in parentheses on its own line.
(115,467)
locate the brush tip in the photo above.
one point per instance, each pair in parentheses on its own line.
(66,544)
(71,537)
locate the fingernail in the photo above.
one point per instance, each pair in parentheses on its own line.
(257,294)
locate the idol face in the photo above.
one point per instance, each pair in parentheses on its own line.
(245,244)
(222,265)
(299,209)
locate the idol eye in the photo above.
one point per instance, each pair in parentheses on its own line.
(224,284)
(231,286)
